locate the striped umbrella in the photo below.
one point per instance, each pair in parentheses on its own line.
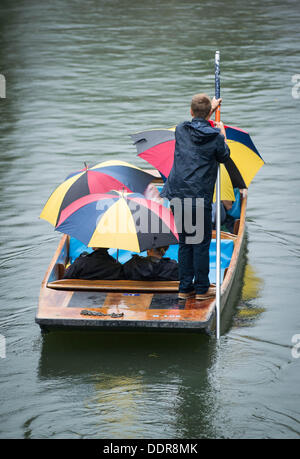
(101,178)
(119,220)
(157,148)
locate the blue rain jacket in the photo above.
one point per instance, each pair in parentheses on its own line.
(198,149)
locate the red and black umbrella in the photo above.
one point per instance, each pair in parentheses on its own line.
(157,147)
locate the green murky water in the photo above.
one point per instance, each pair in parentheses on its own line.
(82,76)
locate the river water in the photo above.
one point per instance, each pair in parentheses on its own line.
(80,77)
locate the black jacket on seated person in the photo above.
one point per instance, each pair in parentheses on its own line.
(150,268)
(97,265)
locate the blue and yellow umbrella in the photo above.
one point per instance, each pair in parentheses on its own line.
(119,220)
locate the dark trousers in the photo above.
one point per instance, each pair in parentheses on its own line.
(193,259)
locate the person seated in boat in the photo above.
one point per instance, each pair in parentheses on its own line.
(225,206)
(153,267)
(152,193)
(98,265)
(230,211)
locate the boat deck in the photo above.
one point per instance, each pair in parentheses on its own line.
(146,310)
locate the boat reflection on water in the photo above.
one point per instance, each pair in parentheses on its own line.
(248,311)
(132,385)
(241,309)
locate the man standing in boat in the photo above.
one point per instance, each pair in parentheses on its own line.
(198,149)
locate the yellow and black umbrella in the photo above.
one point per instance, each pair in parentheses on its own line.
(157,147)
(101,178)
(119,220)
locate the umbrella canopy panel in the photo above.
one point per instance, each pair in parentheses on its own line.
(119,220)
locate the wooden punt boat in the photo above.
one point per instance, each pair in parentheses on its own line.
(131,305)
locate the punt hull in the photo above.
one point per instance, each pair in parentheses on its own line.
(146,306)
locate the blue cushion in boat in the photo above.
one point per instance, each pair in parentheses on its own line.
(235,211)
(76,248)
(227,245)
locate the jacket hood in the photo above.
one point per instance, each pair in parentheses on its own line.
(201,130)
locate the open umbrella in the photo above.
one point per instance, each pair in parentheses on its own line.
(157,147)
(119,220)
(103,177)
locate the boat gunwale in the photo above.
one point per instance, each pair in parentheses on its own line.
(232,268)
